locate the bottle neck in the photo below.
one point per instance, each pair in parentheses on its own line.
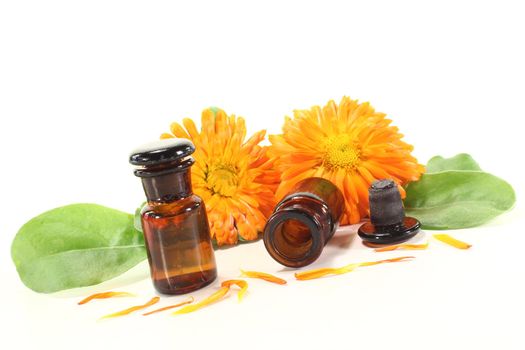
(169,187)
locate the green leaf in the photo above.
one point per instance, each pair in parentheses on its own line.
(74,246)
(455,194)
(461,161)
(137,218)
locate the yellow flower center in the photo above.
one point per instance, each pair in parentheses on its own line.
(223,179)
(341,151)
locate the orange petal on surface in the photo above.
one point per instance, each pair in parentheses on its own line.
(398,259)
(317,273)
(105,295)
(451,241)
(153,301)
(243,285)
(263,276)
(188,301)
(209,300)
(402,247)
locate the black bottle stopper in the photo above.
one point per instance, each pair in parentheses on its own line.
(155,163)
(162,157)
(388,223)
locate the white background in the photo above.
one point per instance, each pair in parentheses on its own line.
(84,82)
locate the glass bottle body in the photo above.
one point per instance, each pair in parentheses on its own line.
(177,237)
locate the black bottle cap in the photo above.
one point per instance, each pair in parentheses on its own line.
(162,151)
(388,224)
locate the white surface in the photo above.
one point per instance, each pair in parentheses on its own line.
(82,83)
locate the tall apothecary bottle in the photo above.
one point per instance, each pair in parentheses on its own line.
(174,220)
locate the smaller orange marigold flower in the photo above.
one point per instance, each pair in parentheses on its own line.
(235,177)
(349,144)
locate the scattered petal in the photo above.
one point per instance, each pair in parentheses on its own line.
(209,300)
(317,273)
(188,301)
(243,285)
(451,241)
(402,247)
(105,295)
(263,276)
(153,301)
(218,295)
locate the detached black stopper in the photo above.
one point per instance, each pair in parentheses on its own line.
(388,223)
(386,207)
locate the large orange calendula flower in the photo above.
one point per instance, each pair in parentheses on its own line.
(234,177)
(349,144)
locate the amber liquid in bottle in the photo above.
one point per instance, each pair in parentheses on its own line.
(174,220)
(177,238)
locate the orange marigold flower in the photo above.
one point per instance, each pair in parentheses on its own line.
(349,144)
(235,178)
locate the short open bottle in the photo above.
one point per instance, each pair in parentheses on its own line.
(174,220)
(303,222)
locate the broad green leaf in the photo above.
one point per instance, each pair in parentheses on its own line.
(74,246)
(461,161)
(457,199)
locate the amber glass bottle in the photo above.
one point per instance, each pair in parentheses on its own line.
(303,222)
(174,219)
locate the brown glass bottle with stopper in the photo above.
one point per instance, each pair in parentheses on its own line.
(174,220)
(303,222)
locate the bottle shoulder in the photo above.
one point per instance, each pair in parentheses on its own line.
(304,204)
(300,200)
(184,205)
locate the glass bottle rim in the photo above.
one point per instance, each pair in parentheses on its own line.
(164,168)
(279,218)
